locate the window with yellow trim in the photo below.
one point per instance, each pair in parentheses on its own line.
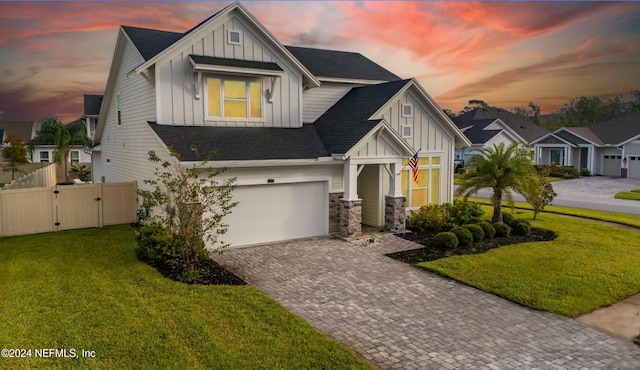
(234,98)
(427,189)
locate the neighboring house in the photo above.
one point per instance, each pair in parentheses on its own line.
(316,138)
(44,153)
(22,129)
(611,148)
(92,105)
(485,127)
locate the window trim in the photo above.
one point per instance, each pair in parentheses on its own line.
(402,110)
(48,156)
(429,167)
(230,41)
(71,156)
(247,82)
(402,131)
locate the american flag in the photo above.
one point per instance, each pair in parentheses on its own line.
(413,163)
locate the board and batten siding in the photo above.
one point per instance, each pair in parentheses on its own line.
(124,148)
(318,100)
(177,102)
(429,133)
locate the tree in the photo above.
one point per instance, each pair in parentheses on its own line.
(475,104)
(503,169)
(192,205)
(14,155)
(539,192)
(63,138)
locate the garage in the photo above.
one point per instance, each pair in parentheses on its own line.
(275,212)
(611,165)
(634,167)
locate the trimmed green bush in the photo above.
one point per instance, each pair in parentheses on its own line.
(445,241)
(465,238)
(520,228)
(461,211)
(502,229)
(507,218)
(476,232)
(430,217)
(489,230)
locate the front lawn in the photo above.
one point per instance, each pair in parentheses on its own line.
(629,195)
(588,266)
(85,289)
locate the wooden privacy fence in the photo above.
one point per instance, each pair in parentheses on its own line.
(65,207)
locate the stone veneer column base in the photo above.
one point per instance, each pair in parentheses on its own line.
(394,214)
(334,212)
(350,218)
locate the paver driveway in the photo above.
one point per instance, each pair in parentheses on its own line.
(400,317)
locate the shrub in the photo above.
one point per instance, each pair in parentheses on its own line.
(445,241)
(461,211)
(155,244)
(489,230)
(476,232)
(475,220)
(502,229)
(507,218)
(585,172)
(465,238)
(521,228)
(430,217)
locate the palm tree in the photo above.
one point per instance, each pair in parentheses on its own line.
(503,169)
(63,138)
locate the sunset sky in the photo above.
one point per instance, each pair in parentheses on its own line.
(505,53)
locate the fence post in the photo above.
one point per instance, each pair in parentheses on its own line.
(100,203)
(1,219)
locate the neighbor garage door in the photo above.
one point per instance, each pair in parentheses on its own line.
(634,167)
(275,212)
(611,165)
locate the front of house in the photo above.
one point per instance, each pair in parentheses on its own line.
(317,139)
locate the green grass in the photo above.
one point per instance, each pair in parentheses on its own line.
(629,195)
(85,289)
(1,185)
(588,266)
(554,179)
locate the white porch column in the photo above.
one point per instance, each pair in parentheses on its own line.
(350,181)
(395,180)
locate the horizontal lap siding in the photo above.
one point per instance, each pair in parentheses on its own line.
(318,100)
(177,91)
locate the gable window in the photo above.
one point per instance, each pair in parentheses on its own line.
(406,131)
(407,110)
(234,98)
(75,156)
(44,157)
(234,37)
(118,110)
(427,189)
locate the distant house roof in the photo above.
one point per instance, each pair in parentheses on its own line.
(347,121)
(243,143)
(525,128)
(579,135)
(340,64)
(92,104)
(475,130)
(618,130)
(21,129)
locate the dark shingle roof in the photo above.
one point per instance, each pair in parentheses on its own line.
(227,62)
(347,121)
(527,129)
(92,104)
(21,129)
(151,42)
(340,64)
(243,143)
(618,130)
(476,132)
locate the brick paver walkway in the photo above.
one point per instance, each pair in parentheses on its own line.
(400,317)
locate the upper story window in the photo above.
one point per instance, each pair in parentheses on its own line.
(407,110)
(234,98)
(234,37)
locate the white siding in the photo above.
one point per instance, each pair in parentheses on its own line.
(124,148)
(430,134)
(502,137)
(318,100)
(177,104)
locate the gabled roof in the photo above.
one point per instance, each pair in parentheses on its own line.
(242,143)
(578,135)
(21,129)
(92,104)
(347,121)
(475,130)
(151,42)
(340,65)
(618,130)
(523,127)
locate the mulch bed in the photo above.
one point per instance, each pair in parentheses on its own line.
(429,253)
(209,273)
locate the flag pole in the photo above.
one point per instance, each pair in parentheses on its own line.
(405,166)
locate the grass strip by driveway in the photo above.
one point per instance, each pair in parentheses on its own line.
(85,289)
(629,195)
(588,266)
(618,218)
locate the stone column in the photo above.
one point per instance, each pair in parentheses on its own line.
(394,214)
(350,218)
(334,212)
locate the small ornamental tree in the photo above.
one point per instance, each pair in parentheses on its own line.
(14,156)
(192,205)
(539,192)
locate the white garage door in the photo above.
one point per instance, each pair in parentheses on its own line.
(611,165)
(268,213)
(634,167)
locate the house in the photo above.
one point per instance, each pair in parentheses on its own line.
(487,126)
(317,139)
(24,130)
(611,148)
(92,105)
(77,154)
